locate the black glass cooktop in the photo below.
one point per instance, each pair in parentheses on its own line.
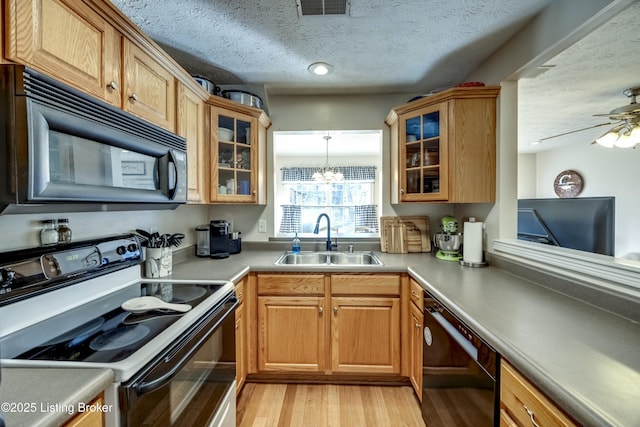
(116,334)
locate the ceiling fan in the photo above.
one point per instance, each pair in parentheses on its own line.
(626,133)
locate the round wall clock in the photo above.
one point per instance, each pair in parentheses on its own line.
(567,184)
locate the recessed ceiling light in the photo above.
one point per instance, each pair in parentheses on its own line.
(320,68)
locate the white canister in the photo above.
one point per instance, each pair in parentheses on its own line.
(231,186)
(158,262)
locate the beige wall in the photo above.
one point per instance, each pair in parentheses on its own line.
(20,231)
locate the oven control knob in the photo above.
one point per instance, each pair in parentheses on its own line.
(132,247)
(121,250)
(428,338)
(6,276)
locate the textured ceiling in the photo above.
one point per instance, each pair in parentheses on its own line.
(586,79)
(382,46)
(397,46)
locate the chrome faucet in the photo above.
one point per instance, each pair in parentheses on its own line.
(317,229)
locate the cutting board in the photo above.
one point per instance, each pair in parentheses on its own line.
(416,233)
(396,238)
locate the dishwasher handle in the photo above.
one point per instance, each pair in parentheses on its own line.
(466,345)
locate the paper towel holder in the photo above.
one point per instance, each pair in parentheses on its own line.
(474,264)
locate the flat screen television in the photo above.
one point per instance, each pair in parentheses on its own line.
(582,223)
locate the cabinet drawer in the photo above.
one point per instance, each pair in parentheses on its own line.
(520,401)
(365,284)
(89,418)
(290,284)
(417,295)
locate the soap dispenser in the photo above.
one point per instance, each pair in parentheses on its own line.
(295,246)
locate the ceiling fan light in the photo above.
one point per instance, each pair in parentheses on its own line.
(608,140)
(625,140)
(635,134)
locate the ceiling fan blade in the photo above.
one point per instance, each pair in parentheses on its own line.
(618,116)
(574,131)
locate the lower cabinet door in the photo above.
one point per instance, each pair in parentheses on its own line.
(415,350)
(291,334)
(365,334)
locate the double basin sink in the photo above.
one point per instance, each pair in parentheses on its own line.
(329,258)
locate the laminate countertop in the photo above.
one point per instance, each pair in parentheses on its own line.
(583,357)
(33,397)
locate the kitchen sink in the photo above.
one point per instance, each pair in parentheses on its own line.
(329,258)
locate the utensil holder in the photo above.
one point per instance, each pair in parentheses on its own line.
(158,262)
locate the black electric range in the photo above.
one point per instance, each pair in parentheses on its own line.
(116,334)
(65,305)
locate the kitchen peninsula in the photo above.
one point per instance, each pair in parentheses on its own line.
(578,355)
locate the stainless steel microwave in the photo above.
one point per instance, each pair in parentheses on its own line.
(62,150)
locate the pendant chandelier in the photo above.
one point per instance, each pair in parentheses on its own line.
(328,174)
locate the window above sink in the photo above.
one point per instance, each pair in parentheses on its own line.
(354,203)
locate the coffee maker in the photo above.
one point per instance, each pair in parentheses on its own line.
(213,239)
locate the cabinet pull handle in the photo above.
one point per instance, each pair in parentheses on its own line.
(335,310)
(402,191)
(112,85)
(531,415)
(320,310)
(133,97)
(418,325)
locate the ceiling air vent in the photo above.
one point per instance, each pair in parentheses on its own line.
(322,7)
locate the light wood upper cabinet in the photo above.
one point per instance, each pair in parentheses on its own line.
(69,41)
(190,124)
(238,143)
(523,405)
(149,88)
(443,147)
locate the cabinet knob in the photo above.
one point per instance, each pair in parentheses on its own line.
(402,191)
(418,325)
(320,310)
(254,192)
(112,85)
(133,97)
(335,310)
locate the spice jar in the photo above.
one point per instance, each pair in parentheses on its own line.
(49,234)
(64,232)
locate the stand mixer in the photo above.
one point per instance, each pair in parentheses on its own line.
(449,241)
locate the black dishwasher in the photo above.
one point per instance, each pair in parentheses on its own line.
(459,372)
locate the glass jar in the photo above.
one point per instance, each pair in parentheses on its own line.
(49,234)
(64,232)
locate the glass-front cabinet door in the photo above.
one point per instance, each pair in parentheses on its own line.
(423,154)
(233,157)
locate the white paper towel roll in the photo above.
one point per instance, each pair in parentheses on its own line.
(472,242)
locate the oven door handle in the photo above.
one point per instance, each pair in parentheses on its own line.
(149,386)
(456,335)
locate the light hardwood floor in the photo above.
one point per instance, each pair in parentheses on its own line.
(262,405)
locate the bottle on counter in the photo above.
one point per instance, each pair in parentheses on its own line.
(295,246)
(49,233)
(64,232)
